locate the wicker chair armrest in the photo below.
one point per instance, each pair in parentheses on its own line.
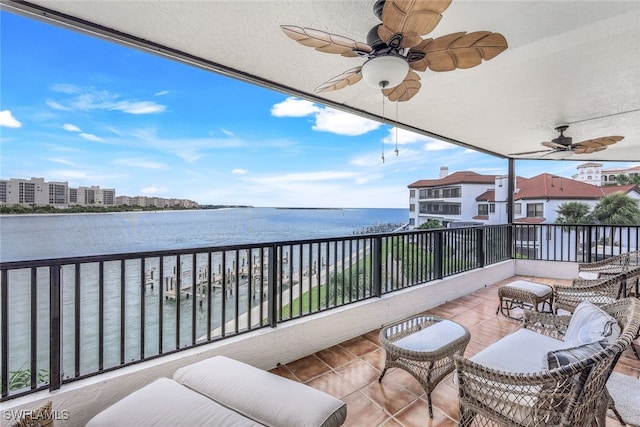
(611,265)
(551,325)
(514,398)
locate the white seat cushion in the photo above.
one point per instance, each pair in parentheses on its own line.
(166,403)
(538,289)
(590,323)
(267,398)
(522,351)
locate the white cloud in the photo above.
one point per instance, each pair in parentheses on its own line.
(437,145)
(403,136)
(239,171)
(90,137)
(57,106)
(65,88)
(188,149)
(161,93)
(140,163)
(326,119)
(228,133)
(294,107)
(342,123)
(87,99)
(306,177)
(153,190)
(139,107)
(7,120)
(71,128)
(62,161)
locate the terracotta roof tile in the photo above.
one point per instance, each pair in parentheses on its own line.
(547,186)
(610,189)
(488,196)
(527,220)
(461,177)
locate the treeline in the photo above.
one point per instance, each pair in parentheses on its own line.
(17,209)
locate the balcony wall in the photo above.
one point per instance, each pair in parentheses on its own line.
(268,347)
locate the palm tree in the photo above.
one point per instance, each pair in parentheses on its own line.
(573,213)
(617,209)
(430,224)
(623,179)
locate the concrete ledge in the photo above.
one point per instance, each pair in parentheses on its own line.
(550,269)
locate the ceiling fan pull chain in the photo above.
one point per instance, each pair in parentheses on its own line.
(383,119)
(396,130)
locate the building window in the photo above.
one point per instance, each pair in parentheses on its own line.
(424,194)
(412,193)
(412,207)
(483,209)
(492,208)
(526,234)
(517,209)
(534,210)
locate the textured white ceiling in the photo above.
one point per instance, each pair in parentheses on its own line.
(575,62)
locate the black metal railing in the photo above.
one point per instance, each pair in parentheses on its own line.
(66,319)
(574,242)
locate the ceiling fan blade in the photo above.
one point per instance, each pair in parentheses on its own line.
(406,90)
(596,144)
(458,50)
(602,141)
(345,79)
(412,19)
(554,145)
(325,42)
(531,152)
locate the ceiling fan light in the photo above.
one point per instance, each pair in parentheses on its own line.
(385,71)
(561,154)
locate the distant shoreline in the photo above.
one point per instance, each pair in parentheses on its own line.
(49,210)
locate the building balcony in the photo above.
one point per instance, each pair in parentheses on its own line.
(311,313)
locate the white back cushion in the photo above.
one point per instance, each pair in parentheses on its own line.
(590,323)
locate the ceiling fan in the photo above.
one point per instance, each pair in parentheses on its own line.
(395,49)
(563,146)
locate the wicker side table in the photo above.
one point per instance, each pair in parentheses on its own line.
(424,346)
(524,294)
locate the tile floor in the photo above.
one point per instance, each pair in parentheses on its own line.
(350,370)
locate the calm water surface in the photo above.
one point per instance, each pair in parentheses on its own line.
(25,237)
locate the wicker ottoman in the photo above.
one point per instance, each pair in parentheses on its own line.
(526,295)
(424,346)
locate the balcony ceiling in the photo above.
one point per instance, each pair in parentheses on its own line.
(572,62)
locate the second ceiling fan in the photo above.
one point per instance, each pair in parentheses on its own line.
(395,49)
(566,147)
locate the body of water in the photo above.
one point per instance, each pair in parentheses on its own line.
(25,237)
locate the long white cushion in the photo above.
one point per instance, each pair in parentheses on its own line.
(267,398)
(522,351)
(166,403)
(590,323)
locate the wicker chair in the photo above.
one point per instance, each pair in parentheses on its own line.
(599,292)
(571,395)
(607,267)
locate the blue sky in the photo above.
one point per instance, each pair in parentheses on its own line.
(79,109)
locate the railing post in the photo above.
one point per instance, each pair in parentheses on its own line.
(272,280)
(480,247)
(438,258)
(55,316)
(589,240)
(376,261)
(4,334)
